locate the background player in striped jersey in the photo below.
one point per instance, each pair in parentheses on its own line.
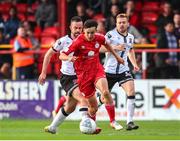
(120,73)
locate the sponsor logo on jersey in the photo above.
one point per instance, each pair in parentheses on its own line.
(130,40)
(91,53)
(68,43)
(109,35)
(97,45)
(59,43)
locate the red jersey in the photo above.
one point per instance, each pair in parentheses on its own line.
(88,67)
(86,51)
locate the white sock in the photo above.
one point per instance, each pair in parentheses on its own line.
(130,108)
(59,118)
(84,112)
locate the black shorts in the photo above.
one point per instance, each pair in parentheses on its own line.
(68,83)
(120,78)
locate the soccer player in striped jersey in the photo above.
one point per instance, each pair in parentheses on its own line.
(120,73)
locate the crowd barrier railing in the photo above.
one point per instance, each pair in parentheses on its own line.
(8,46)
(144,57)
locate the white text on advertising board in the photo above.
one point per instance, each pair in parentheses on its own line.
(22,91)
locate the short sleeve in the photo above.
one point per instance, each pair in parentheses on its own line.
(131,42)
(108,38)
(58,45)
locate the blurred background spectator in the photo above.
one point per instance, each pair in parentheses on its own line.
(176,20)
(101,27)
(46,14)
(4,58)
(106,7)
(1,23)
(11,25)
(134,16)
(165,15)
(111,19)
(2,38)
(167,63)
(22,60)
(5,71)
(33,39)
(137,35)
(30,33)
(81,11)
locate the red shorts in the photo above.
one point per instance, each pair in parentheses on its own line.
(88,79)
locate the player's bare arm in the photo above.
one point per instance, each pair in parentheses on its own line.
(132,58)
(47,58)
(65,57)
(119,59)
(121,47)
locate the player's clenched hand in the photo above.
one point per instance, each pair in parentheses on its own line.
(120,47)
(136,68)
(42,78)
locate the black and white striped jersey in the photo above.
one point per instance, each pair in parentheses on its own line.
(61,45)
(114,38)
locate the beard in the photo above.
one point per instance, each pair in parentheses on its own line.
(76,34)
(122,30)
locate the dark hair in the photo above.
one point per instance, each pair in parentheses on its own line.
(76,19)
(167,2)
(168,22)
(176,12)
(129,0)
(90,23)
(115,5)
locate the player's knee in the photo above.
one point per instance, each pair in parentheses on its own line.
(131,92)
(70,108)
(83,103)
(73,108)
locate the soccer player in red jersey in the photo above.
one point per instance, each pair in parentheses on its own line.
(68,79)
(89,70)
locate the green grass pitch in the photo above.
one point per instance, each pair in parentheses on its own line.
(69,130)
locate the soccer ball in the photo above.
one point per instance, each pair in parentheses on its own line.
(87,126)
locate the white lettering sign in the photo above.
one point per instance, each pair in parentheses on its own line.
(14,90)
